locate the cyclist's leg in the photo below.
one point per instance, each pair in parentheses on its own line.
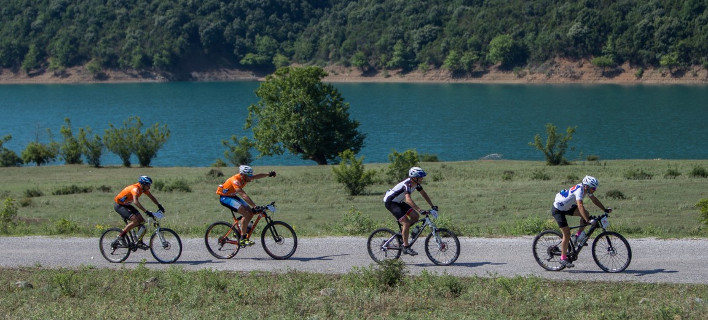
(398,210)
(239,205)
(129,213)
(563,225)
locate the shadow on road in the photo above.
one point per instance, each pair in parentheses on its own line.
(462,264)
(641,273)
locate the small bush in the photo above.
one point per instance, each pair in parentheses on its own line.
(351,173)
(507,175)
(615,194)
(698,172)
(219,163)
(593,157)
(540,175)
(7,214)
(65,226)
(427,157)
(215,173)
(400,164)
(26,202)
(390,274)
(671,173)
(638,174)
(72,189)
(703,206)
(176,185)
(104,188)
(571,178)
(355,223)
(30,193)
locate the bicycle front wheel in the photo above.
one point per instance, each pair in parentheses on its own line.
(112,250)
(221,240)
(442,247)
(279,240)
(547,250)
(165,245)
(384,244)
(611,252)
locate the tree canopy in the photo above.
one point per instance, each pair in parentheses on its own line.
(300,114)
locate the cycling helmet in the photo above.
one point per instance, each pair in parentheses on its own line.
(416,172)
(145,180)
(590,182)
(245,170)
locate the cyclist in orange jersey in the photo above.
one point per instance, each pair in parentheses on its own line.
(128,197)
(232,196)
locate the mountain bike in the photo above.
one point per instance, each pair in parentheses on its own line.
(441,246)
(610,250)
(165,245)
(278,238)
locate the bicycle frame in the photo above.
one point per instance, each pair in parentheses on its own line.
(236,226)
(151,221)
(575,248)
(412,239)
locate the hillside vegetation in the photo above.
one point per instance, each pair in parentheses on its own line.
(466,37)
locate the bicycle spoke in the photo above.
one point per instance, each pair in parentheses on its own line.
(384,244)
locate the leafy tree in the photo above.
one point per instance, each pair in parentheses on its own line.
(604,62)
(351,173)
(149,142)
(121,141)
(359,61)
(504,49)
(400,164)
(32,59)
(8,158)
(91,147)
(39,153)
(556,145)
(300,114)
(70,149)
(670,61)
(239,152)
(8,213)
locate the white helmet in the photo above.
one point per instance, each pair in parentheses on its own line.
(416,172)
(245,170)
(590,182)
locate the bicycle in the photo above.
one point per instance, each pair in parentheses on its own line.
(277,238)
(610,250)
(165,245)
(441,246)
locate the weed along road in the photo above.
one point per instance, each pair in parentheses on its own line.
(653,261)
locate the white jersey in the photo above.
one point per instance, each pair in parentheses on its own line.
(566,198)
(398,192)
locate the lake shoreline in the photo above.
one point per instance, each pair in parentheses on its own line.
(556,72)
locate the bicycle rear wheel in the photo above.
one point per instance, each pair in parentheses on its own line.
(444,249)
(221,240)
(165,245)
(611,252)
(547,250)
(279,240)
(380,248)
(110,249)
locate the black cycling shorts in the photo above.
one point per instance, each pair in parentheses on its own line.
(125,211)
(560,215)
(398,209)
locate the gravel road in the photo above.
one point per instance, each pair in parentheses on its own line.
(653,261)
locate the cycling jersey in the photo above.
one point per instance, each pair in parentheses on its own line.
(398,192)
(229,187)
(566,198)
(130,193)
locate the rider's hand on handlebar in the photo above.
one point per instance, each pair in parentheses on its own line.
(149,213)
(608,210)
(271,174)
(434,208)
(160,207)
(258,209)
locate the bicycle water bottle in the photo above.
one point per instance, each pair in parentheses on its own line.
(582,237)
(141,232)
(416,230)
(250,226)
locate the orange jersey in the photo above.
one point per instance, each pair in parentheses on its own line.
(229,187)
(130,193)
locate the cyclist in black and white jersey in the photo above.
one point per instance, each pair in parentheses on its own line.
(399,202)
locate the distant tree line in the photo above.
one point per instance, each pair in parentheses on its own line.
(463,36)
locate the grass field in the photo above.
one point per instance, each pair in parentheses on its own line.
(654,198)
(366,293)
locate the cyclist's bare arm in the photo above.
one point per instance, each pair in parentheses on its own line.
(245,197)
(425,196)
(597,202)
(583,212)
(411,203)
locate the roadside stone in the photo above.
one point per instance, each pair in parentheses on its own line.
(24,285)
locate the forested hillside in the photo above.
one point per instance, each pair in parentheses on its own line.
(463,36)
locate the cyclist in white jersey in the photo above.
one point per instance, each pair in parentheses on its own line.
(399,202)
(569,202)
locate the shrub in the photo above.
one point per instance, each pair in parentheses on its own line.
(65,226)
(351,173)
(8,158)
(214,173)
(7,214)
(400,164)
(426,157)
(540,175)
(671,173)
(355,223)
(219,163)
(238,151)
(507,175)
(556,145)
(571,178)
(72,189)
(698,172)
(30,193)
(637,174)
(615,194)
(104,188)
(703,206)
(175,185)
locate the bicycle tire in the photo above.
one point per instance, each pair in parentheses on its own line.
(279,240)
(109,251)
(221,240)
(375,243)
(445,247)
(547,250)
(611,252)
(165,249)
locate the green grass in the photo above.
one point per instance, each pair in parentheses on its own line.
(476,198)
(364,293)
